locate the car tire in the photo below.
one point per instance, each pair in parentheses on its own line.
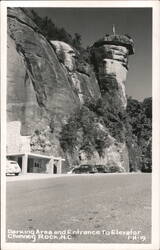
(16,174)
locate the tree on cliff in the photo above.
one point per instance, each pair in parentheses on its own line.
(140,122)
(52,32)
(77,41)
(133,127)
(82,131)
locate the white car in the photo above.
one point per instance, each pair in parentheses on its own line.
(12,167)
(71,171)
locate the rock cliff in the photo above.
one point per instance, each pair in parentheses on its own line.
(110,59)
(39,85)
(46,86)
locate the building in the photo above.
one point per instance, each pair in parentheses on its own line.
(18,149)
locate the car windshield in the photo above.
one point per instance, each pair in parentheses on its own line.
(86,166)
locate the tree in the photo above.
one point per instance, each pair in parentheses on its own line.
(77,41)
(140,122)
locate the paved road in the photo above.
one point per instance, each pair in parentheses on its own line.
(84,209)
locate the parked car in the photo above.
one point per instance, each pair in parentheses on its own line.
(71,171)
(116,169)
(12,167)
(102,169)
(86,168)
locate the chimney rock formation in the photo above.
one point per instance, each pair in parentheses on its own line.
(110,56)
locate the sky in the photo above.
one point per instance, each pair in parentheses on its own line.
(94,23)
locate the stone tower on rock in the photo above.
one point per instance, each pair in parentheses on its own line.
(110,59)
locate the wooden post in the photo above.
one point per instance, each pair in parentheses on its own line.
(50,169)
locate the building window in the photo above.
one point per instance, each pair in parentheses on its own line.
(37,165)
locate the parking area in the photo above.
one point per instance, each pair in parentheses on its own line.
(82,202)
(36,176)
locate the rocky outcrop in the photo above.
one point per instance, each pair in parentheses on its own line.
(110,59)
(80,76)
(65,54)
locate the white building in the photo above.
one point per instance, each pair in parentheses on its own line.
(18,149)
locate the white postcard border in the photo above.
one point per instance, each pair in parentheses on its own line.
(156,121)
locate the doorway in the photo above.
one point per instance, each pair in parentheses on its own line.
(20,162)
(54,169)
(30,165)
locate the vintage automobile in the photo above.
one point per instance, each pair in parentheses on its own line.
(84,169)
(102,169)
(109,169)
(12,167)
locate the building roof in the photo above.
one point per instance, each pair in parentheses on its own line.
(37,155)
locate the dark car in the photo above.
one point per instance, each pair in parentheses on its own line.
(86,168)
(102,169)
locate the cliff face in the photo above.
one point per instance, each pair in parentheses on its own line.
(38,81)
(39,86)
(46,85)
(80,76)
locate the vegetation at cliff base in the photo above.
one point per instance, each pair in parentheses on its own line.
(133,127)
(82,132)
(89,128)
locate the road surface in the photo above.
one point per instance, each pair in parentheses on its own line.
(107,208)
